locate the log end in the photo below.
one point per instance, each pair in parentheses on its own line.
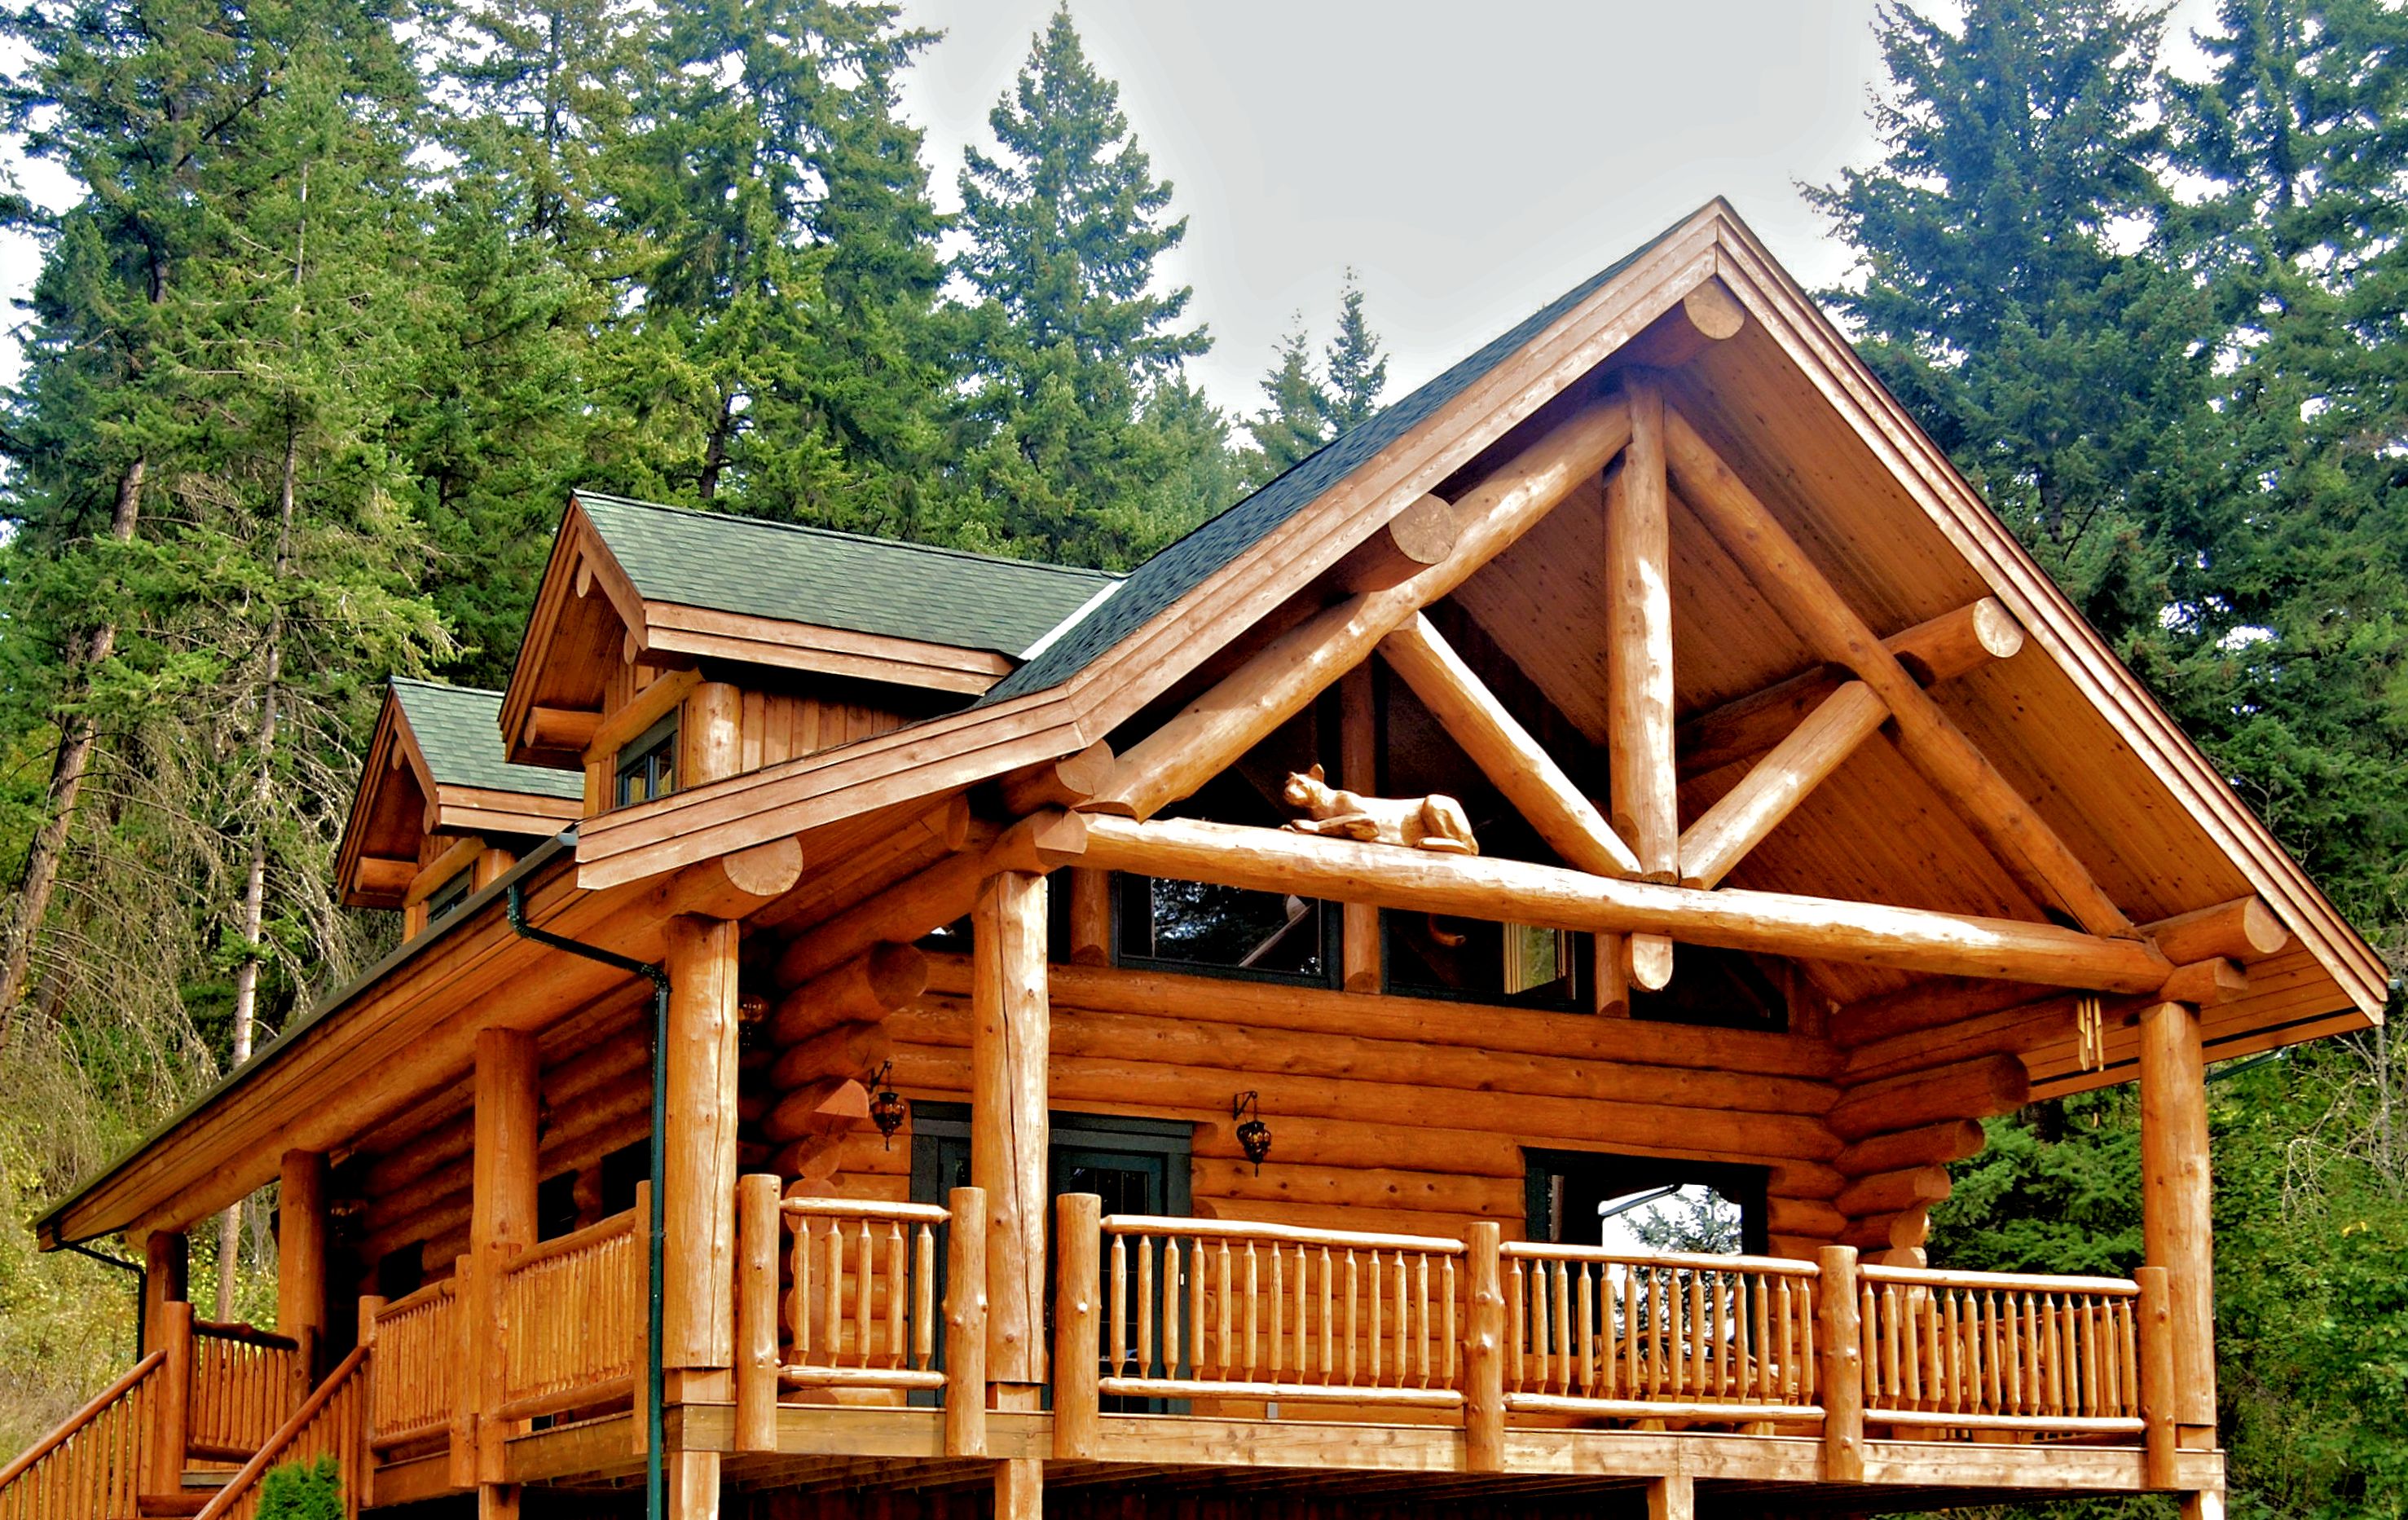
(1421,536)
(895,973)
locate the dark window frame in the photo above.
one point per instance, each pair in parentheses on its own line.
(448,899)
(649,759)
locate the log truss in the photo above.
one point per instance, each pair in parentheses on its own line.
(1639,877)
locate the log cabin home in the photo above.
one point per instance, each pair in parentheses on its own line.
(884,1031)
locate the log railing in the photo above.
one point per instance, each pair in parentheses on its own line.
(1590,1331)
(1981,1351)
(245,1383)
(331,1422)
(1162,1308)
(571,1321)
(416,1340)
(93,1464)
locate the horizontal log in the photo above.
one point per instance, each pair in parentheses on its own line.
(1201,1090)
(1371,1189)
(1931,1145)
(2244,929)
(1942,648)
(1803,1217)
(732,886)
(1264,1006)
(829,1103)
(1059,783)
(863,990)
(1768,922)
(846,1050)
(1975,1089)
(2206,983)
(569,729)
(1241,1052)
(1890,1192)
(1421,536)
(1709,315)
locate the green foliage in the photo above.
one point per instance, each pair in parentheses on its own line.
(302,1491)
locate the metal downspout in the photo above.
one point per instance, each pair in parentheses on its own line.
(655,1495)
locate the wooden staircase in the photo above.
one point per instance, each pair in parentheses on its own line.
(158,1442)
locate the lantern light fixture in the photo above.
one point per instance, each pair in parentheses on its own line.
(1254,1136)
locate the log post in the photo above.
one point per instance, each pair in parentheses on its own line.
(171,1415)
(1358,770)
(1078,1342)
(698,1174)
(2160,1392)
(1843,1365)
(966,1323)
(1020,1489)
(1483,1415)
(2176,1230)
(301,1249)
(501,1218)
(467,1334)
(1090,917)
(1008,1133)
(1672,1497)
(363,1477)
(166,1265)
(756,1312)
(1639,662)
(711,733)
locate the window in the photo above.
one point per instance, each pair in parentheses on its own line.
(555,1206)
(1630,1202)
(446,899)
(622,1169)
(1431,955)
(648,764)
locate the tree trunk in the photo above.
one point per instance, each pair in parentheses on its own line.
(77,733)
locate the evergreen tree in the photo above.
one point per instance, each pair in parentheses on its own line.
(1069,335)
(1357,370)
(1294,421)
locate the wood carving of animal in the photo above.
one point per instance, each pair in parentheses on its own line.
(1434,823)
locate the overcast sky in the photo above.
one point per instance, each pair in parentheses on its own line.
(1471,160)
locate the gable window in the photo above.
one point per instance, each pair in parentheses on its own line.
(647,765)
(446,899)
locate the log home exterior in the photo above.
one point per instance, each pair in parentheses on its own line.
(863,1037)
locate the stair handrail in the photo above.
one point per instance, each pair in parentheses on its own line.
(251,1471)
(81,1418)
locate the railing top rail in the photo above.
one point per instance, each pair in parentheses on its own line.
(248,1335)
(1925,1277)
(81,1418)
(1678,1260)
(1240,1229)
(443,1288)
(577,1239)
(225,1498)
(926,1213)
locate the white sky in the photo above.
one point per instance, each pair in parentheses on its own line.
(1470,162)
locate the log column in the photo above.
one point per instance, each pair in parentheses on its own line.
(301,1254)
(1010,1137)
(501,1223)
(1639,664)
(698,1192)
(166,1265)
(2176,1231)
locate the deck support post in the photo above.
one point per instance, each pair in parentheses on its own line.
(1008,1124)
(1672,1497)
(501,1223)
(1842,1372)
(1484,1414)
(699,1193)
(170,1332)
(2176,1231)
(1020,1489)
(1078,1342)
(2158,1392)
(966,1323)
(301,1259)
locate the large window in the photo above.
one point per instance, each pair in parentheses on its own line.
(647,765)
(1630,1202)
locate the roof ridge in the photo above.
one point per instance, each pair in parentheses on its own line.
(425,684)
(811,530)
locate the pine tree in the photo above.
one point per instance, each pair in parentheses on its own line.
(1357,370)
(1295,419)
(1070,335)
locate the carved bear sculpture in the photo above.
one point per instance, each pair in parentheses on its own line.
(1433,823)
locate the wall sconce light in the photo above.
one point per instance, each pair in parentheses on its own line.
(887,1109)
(1254,1136)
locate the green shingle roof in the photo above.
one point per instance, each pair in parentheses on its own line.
(839,580)
(1180,568)
(459,730)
